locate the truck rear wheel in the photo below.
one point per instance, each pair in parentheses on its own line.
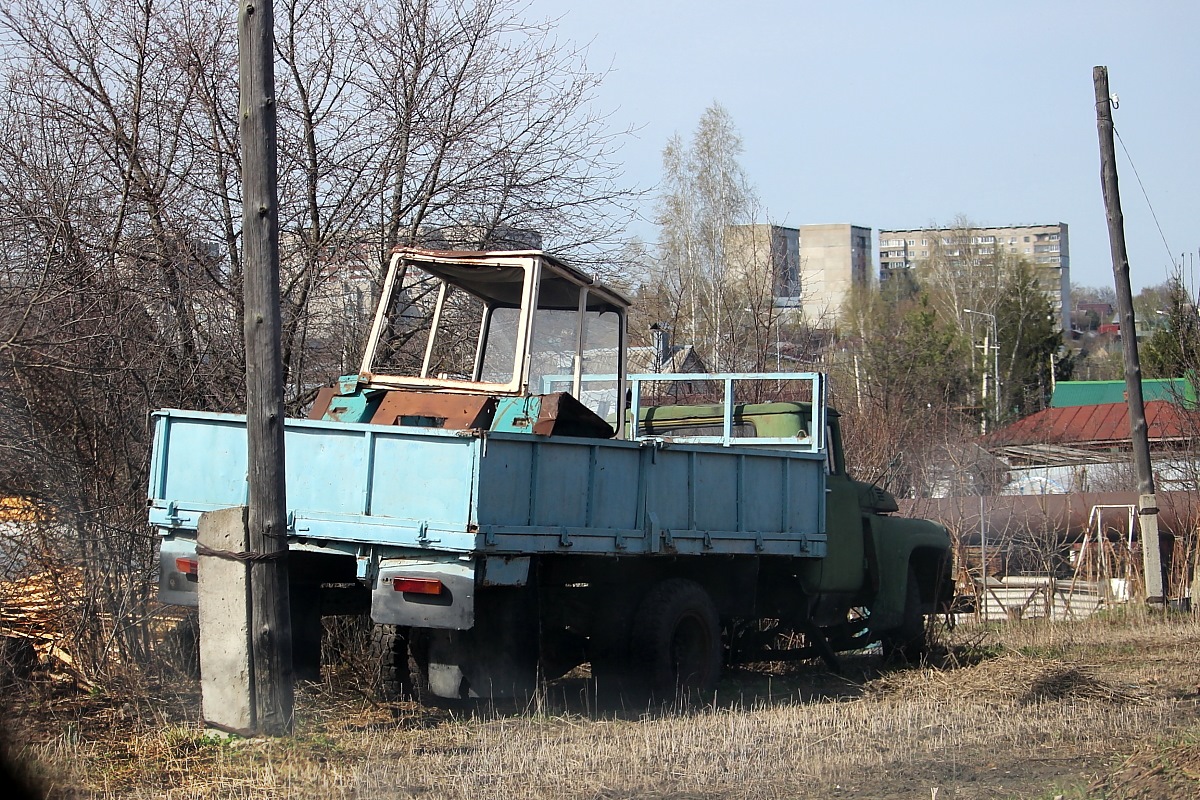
(677,637)
(181,646)
(389,652)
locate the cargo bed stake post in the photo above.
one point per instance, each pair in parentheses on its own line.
(270,618)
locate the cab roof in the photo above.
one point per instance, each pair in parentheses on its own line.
(497,277)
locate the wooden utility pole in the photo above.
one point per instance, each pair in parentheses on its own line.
(270,618)
(1147,504)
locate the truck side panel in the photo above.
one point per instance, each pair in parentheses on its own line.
(688,499)
(705,488)
(357,483)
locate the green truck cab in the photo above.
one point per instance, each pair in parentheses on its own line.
(882,574)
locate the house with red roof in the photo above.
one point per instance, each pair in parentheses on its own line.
(1092,434)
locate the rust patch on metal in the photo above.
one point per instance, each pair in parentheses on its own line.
(325,396)
(449,411)
(562,415)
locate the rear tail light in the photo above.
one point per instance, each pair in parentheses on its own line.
(418,585)
(188,566)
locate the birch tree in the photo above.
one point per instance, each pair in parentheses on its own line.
(718,277)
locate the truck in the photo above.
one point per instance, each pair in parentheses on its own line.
(507,502)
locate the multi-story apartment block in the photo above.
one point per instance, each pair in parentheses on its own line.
(765,259)
(810,269)
(1045,247)
(834,259)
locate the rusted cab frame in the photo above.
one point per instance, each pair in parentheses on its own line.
(525,281)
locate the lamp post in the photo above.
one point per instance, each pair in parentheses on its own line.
(995,359)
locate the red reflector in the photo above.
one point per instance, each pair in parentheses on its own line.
(188,566)
(418,585)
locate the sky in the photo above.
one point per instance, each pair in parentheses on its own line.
(910,114)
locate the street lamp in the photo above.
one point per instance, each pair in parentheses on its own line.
(995,358)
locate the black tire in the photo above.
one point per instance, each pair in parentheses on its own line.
(307,631)
(616,677)
(418,670)
(18,658)
(908,643)
(389,655)
(677,639)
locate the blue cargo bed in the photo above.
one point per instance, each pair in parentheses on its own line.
(425,489)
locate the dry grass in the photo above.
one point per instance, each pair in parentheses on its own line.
(1030,710)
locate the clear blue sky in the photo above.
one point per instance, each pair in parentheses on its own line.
(903,114)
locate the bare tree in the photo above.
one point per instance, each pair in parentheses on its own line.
(965,269)
(120,209)
(404,117)
(902,376)
(114,303)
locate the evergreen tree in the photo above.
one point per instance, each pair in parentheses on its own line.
(1029,341)
(1175,346)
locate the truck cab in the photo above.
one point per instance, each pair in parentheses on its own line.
(463,340)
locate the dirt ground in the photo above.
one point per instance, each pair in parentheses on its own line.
(1102,709)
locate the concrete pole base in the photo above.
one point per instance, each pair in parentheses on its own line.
(226,682)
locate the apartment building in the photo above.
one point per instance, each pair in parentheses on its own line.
(810,269)
(1045,247)
(834,259)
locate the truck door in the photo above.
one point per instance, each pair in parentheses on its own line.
(843,568)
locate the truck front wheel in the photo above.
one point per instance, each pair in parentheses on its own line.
(677,636)
(909,643)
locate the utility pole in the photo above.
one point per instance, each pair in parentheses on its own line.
(1147,503)
(270,617)
(983,388)
(995,345)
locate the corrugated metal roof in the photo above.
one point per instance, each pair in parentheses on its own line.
(1096,425)
(1094,393)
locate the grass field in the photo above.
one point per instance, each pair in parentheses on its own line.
(1099,709)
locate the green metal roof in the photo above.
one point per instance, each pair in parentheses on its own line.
(1095,393)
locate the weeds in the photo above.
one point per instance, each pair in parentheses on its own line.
(992,717)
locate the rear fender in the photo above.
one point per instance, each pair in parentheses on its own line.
(425,593)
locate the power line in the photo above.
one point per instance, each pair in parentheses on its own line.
(1170,253)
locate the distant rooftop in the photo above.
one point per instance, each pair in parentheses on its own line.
(975,227)
(1094,427)
(1093,393)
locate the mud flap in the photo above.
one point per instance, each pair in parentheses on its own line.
(495,659)
(425,593)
